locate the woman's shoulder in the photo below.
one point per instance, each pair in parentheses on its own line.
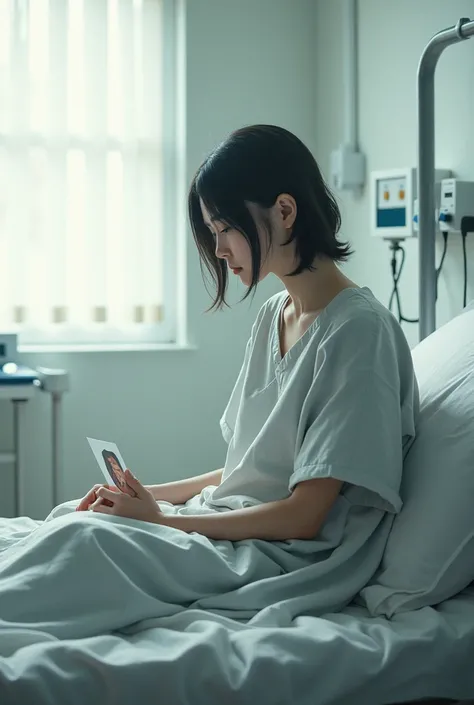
(274,303)
(361,323)
(267,312)
(358,309)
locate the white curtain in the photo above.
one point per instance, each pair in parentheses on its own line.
(81,161)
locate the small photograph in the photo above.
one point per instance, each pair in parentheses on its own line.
(114,469)
(110,462)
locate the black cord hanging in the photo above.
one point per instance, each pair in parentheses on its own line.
(396,274)
(467,226)
(464,255)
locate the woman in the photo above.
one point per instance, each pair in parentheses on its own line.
(317,424)
(326,399)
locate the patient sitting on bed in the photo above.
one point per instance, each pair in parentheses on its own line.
(326,399)
(317,424)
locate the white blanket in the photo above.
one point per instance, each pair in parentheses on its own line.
(103,610)
(79,574)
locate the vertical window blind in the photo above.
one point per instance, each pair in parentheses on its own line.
(81,170)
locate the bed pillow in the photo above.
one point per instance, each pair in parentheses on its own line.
(430,551)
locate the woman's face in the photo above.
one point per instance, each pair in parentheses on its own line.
(232,246)
(117,470)
(115,466)
(120,478)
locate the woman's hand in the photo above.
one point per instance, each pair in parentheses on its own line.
(92,496)
(141,506)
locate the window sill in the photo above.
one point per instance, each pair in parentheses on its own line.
(114,347)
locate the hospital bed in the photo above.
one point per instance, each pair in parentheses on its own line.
(359,656)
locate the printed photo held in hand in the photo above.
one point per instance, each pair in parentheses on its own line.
(115,470)
(126,496)
(110,462)
(136,502)
(112,466)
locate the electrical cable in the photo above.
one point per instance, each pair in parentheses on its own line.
(403,318)
(395,246)
(445,248)
(464,254)
(393,264)
(467,226)
(396,274)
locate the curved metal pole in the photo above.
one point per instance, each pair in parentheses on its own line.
(426,168)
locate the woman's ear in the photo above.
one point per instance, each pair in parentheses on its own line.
(286,209)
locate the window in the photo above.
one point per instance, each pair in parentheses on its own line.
(87,249)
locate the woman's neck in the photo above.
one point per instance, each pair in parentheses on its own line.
(311,291)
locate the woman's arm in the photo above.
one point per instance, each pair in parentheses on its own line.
(180,491)
(299,516)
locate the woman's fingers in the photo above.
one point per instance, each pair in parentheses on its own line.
(90,497)
(103,509)
(95,504)
(129,490)
(106,493)
(85,501)
(102,501)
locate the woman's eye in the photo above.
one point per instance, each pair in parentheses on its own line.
(226,230)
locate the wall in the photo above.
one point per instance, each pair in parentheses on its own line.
(392,36)
(247,62)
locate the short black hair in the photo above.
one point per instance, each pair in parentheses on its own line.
(256,164)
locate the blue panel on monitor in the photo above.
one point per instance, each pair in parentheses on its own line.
(391,217)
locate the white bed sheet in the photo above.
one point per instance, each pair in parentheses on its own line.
(345,658)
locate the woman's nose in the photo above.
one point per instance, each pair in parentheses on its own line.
(221,251)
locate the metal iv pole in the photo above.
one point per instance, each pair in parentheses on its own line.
(464,29)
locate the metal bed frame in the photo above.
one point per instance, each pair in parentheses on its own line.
(464,29)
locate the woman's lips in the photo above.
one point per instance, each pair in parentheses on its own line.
(236,270)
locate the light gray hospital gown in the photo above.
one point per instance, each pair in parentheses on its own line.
(341,403)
